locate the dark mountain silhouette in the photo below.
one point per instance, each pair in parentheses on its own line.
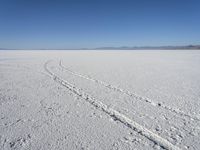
(188,47)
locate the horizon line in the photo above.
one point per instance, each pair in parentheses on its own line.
(190,46)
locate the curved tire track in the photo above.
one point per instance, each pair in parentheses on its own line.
(155,138)
(131,94)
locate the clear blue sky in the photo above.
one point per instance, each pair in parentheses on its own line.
(35,24)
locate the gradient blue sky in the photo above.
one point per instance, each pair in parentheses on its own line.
(35,24)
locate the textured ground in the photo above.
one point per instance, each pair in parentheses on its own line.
(99,100)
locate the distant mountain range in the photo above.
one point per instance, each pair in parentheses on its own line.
(187,47)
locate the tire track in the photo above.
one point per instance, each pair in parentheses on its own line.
(155,138)
(129,93)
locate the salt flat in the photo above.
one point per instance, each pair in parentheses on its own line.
(145,99)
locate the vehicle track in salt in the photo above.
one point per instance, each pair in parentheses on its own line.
(155,138)
(129,93)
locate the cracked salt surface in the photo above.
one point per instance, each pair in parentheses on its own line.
(99,100)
